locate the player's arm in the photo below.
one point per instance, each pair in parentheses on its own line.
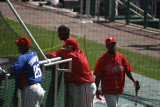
(130,76)
(97,81)
(7,71)
(50,55)
(98,73)
(128,69)
(58,53)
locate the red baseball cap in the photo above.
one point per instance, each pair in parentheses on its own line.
(71,42)
(110,40)
(23,41)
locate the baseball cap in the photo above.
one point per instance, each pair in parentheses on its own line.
(110,40)
(71,42)
(23,41)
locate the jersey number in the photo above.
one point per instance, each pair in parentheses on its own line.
(37,71)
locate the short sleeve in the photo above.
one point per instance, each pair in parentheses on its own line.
(59,53)
(99,68)
(17,67)
(127,65)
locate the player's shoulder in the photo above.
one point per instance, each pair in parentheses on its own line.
(104,55)
(120,55)
(28,54)
(22,58)
(61,50)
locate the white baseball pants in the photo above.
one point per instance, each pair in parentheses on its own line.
(32,95)
(112,100)
(81,96)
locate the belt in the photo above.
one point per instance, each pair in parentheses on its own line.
(29,85)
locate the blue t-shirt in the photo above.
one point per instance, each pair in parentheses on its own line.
(27,69)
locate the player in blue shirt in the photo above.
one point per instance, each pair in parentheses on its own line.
(29,74)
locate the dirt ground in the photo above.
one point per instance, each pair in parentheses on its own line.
(134,38)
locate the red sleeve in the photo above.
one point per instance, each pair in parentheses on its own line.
(126,64)
(60,53)
(99,68)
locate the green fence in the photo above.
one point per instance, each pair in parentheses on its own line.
(8,98)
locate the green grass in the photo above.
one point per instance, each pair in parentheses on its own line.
(141,64)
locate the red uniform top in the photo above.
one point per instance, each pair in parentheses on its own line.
(71,38)
(111,70)
(81,72)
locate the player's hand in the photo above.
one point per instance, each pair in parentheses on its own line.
(2,72)
(98,93)
(137,85)
(50,55)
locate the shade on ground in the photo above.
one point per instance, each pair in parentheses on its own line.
(122,103)
(148,95)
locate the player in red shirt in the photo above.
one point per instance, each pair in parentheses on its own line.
(81,82)
(110,70)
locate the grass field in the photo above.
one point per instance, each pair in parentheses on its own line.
(144,65)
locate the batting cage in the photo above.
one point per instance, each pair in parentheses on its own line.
(135,27)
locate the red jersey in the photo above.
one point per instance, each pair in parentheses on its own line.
(70,38)
(80,68)
(111,70)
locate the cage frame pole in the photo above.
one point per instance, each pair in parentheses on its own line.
(25,28)
(57,69)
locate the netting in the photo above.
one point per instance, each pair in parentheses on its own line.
(8,54)
(140,46)
(7,49)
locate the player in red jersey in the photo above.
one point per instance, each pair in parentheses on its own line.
(81,83)
(110,70)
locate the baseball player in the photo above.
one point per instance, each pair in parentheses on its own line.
(110,69)
(28,72)
(81,82)
(63,32)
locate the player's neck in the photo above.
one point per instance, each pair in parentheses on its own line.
(25,52)
(112,53)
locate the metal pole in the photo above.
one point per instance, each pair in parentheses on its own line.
(56,84)
(58,62)
(25,28)
(98,5)
(81,11)
(86,13)
(6,81)
(155,9)
(43,72)
(113,10)
(70,66)
(145,12)
(19,98)
(51,60)
(87,9)
(128,12)
(159,24)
